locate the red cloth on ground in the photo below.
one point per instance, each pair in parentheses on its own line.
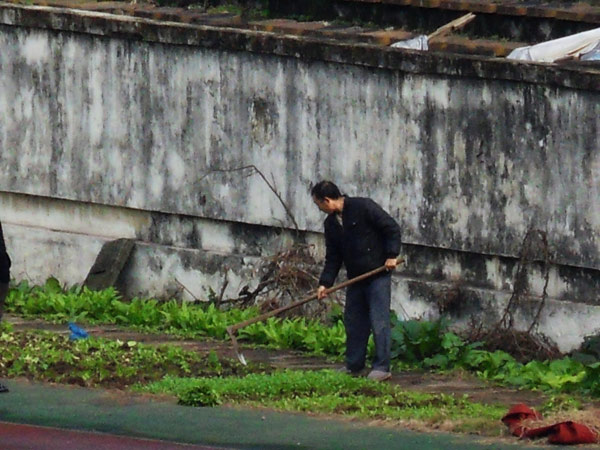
(516,415)
(566,433)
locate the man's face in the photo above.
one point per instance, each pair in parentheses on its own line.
(325,205)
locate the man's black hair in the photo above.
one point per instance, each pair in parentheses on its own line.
(325,189)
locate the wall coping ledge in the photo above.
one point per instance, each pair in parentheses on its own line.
(302,47)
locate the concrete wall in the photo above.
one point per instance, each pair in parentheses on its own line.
(122,127)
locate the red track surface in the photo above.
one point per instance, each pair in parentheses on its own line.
(28,437)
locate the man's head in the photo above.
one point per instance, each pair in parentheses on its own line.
(327,197)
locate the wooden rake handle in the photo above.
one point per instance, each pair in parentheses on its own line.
(233,328)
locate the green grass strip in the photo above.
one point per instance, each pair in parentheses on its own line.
(329,392)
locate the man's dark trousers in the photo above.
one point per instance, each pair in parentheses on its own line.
(368,309)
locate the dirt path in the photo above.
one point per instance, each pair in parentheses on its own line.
(456,383)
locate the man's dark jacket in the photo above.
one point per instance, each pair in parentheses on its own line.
(4,260)
(368,237)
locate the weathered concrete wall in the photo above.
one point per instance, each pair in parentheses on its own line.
(463,163)
(150,120)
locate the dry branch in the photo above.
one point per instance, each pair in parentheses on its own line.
(271,187)
(529,344)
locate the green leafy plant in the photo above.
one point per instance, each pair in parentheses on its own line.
(201,394)
(414,340)
(453,352)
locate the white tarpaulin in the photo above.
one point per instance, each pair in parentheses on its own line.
(416,43)
(550,51)
(422,42)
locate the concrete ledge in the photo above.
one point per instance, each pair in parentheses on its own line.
(309,48)
(479,46)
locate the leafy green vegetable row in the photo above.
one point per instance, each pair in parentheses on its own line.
(414,343)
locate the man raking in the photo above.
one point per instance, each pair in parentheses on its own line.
(360,235)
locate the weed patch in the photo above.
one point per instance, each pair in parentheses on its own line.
(100,362)
(329,392)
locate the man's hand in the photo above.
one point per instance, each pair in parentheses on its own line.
(321,292)
(390,264)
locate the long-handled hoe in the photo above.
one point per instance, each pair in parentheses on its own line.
(232,329)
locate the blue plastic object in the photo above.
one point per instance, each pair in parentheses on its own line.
(77,332)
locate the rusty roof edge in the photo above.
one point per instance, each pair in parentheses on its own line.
(263,42)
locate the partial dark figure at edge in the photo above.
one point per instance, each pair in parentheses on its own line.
(4,280)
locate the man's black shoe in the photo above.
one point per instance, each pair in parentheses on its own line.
(3,388)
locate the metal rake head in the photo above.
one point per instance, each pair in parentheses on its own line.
(236,347)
